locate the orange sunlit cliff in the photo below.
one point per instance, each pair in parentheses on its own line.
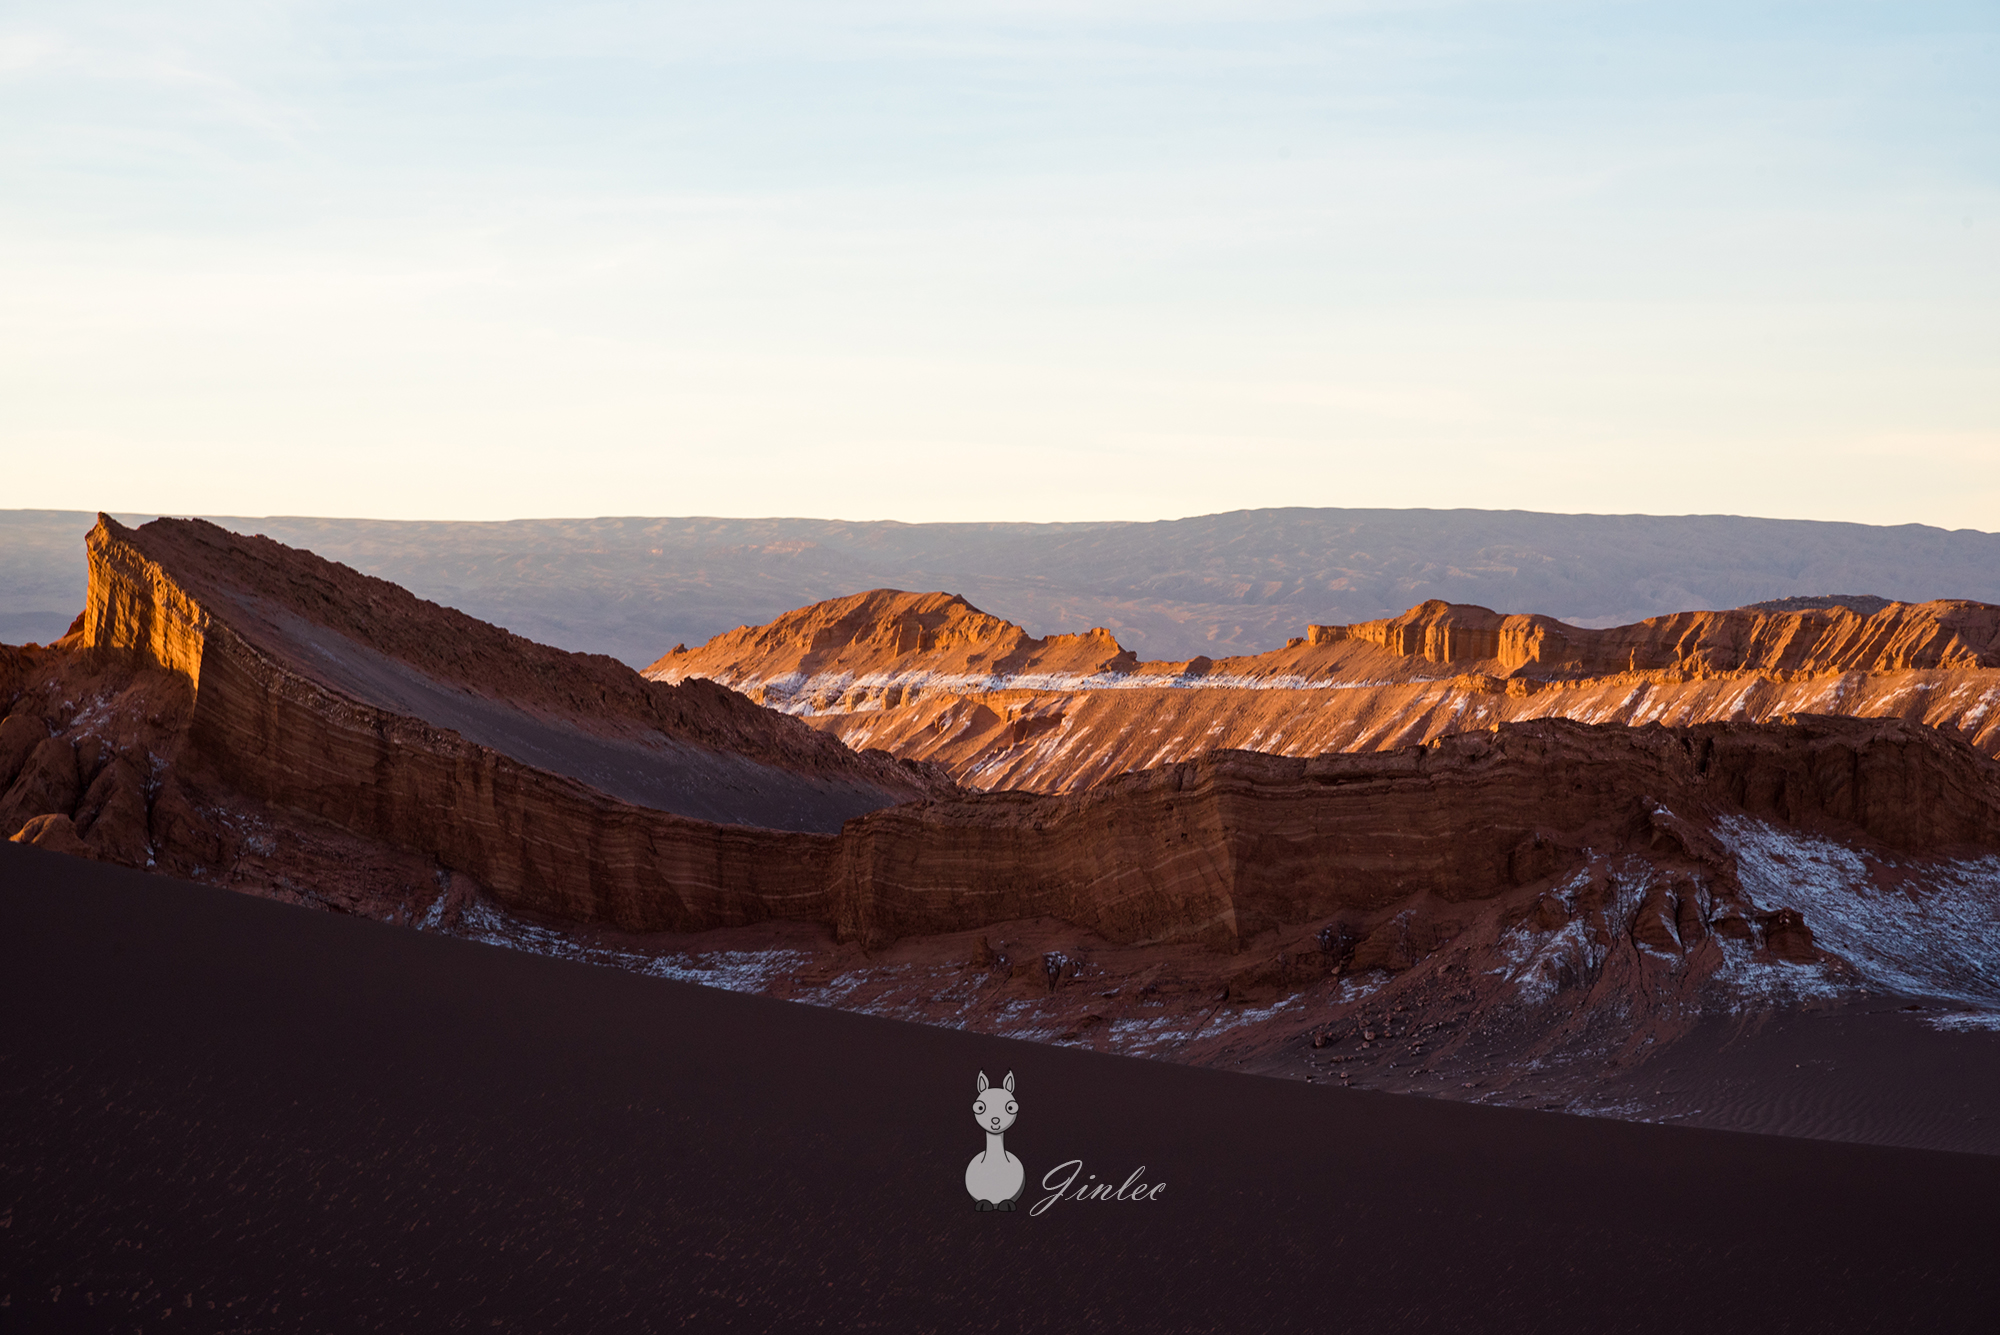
(927,676)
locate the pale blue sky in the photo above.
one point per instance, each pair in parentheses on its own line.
(969,261)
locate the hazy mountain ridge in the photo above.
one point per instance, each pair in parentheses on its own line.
(1218,585)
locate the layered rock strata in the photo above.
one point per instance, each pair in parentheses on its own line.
(1235,844)
(223,696)
(929,677)
(228,708)
(259,629)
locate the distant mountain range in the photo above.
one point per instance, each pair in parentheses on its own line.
(1215,585)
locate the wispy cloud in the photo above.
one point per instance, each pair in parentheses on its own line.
(971,260)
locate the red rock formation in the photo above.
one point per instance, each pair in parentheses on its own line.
(227,712)
(1899,637)
(113,817)
(56,833)
(910,634)
(1236,844)
(1004,711)
(248,712)
(243,714)
(47,782)
(183,592)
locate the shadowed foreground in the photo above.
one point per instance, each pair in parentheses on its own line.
(257,1117)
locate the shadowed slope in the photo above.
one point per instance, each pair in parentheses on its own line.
(258,1119)
(196,598)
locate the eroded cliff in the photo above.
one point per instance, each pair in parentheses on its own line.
(232,708)
(1002,710)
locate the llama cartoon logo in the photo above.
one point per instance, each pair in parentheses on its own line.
(995,1178)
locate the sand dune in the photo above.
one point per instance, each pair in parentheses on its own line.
(209,1125)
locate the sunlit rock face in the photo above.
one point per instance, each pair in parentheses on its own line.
(928,676)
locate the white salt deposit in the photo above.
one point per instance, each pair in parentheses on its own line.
(732,970)
(1928,927)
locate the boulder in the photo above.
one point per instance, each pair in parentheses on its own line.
(1787,936)
(53,832)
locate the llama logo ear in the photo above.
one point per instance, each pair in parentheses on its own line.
(995,1178)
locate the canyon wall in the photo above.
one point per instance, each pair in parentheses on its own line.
(1233,844)
(224,711)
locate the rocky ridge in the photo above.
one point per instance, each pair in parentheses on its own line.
(231,709)
(927,676)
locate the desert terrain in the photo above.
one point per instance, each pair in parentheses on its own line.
(1332,862)
(370,965)
(928,676)
(224,1113)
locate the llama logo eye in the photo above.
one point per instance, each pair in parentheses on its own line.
(995,1178)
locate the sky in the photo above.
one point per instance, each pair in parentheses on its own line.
(866,259)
